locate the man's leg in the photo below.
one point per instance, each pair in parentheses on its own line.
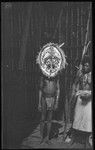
(49,123)
(42,123)
(42,127)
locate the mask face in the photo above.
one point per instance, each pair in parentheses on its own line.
(51,65)
(50,60)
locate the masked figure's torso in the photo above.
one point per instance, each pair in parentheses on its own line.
(49,87)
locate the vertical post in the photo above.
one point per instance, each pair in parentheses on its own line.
(60,29)
(89,26)
(25,81)
(40,23)
(25,38)
(52,21)
(82,35)
(67,24)
(67,18)
(87,34)
(58,22)
(77,32)
(12,56)
(19,27)
(72,21)
(71,73)
(2,92)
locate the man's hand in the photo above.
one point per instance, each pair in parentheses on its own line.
(83,93)
(79,92)
(79,73)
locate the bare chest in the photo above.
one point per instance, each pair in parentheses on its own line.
(49,86)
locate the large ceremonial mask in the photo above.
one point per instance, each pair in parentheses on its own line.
(51,59)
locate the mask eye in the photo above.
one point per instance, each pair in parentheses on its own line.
(53,66)
(48,66)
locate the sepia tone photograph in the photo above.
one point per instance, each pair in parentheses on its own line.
(46,75)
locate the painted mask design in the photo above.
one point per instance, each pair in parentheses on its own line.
(51,59)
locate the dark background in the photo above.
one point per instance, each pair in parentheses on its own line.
(25,28)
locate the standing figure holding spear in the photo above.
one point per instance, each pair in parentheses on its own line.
(81,129)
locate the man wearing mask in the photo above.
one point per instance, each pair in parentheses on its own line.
(51,60)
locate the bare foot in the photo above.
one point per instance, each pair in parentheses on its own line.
(42,141)
(46,140)
(68,139)
(90,140)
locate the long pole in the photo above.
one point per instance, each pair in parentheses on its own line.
(86,44)
(66,41)
(25,38)
(58,22)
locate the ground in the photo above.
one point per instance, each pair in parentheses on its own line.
(33,141)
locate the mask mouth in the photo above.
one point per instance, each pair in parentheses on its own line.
(51,69)
(48,66)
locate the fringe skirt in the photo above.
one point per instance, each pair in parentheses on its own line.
(48,103)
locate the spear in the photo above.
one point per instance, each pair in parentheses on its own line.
(86,43)
(61,44)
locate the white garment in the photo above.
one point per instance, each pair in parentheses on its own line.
(83,116)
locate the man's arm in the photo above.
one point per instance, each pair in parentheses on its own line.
(58,93)
(40,92)
(40,95)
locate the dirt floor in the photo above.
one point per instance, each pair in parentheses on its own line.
(34,139)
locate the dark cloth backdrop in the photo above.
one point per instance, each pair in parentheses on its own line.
(25,28)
